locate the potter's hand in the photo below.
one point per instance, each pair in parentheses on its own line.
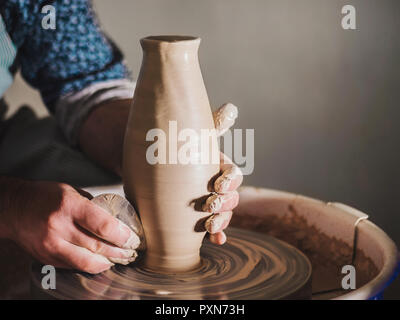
(226,198)
(59,226)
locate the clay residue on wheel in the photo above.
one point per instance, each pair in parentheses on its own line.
(327,254)
(249,266)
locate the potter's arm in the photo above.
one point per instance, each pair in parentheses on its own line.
(75,67)
(102,134)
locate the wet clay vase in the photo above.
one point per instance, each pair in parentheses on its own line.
(171,98)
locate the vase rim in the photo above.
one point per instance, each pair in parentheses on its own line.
(170,39)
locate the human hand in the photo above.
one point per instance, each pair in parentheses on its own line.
(225,197)
(60,227)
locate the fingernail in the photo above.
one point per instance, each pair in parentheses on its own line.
(124,229)
(128,253)
(225,117)
(214,203)
(110,264)
(124,261)
(222,239)
(104,260)
(217,222)
(223,183)
(133,241)
(218,238)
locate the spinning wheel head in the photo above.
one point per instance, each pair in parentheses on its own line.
(249,266)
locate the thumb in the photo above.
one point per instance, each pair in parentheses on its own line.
(225,117)
(120,208)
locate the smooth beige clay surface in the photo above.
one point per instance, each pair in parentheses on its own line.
(168,196)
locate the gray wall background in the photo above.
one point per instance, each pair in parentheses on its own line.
(324,102)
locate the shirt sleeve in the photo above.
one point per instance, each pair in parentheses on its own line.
(74,66)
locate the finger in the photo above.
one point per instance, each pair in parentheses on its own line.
(97,221)
(218,222)
(124,261)
(82,259)
(230,179)
(121,209)
(225,117)
(52,260)
(80,238)
(221,202)
(218,238)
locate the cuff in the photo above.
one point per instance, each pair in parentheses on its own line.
(73,108)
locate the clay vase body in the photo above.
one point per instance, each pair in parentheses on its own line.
(170,96)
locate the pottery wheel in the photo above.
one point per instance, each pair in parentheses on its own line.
(249,266)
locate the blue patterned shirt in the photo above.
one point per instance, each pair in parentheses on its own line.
(64,61)
(7,56)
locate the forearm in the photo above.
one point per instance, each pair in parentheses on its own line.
(102,134)
(13,195)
